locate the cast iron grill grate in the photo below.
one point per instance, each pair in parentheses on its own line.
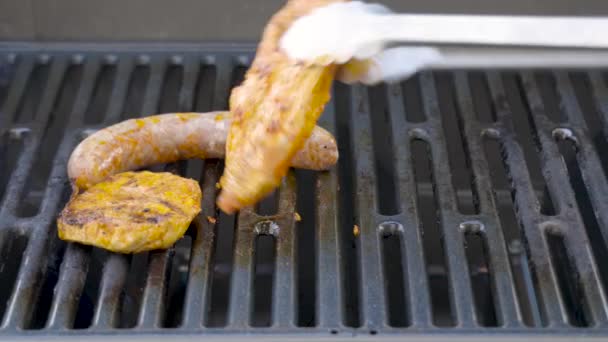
(465,203)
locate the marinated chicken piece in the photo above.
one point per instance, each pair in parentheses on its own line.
(137,143)
(275,111)
(131,212)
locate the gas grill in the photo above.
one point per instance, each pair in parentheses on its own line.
(466,205)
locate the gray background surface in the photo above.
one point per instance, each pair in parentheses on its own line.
(208,20)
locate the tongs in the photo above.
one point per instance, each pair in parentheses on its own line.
(462,41)
(480,41)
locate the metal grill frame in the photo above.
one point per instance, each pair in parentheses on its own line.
(329,313)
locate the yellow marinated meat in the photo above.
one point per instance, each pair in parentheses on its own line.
(131,212)
(275,111)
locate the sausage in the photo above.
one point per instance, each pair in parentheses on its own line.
(136,143)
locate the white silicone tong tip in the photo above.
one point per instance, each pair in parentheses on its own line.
(335,33)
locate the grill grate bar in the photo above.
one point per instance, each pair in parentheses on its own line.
(26,287)
(17,90)
(186,96)
(504,292)
(197,289)
(587,156)
(527,208)
(373,302)
(224,69)
(283,312)
(92,67)
(220,101)
(472,135)
(119,92)
(600,89)
(52,193)
(32,144)
(57,178)
(411,240)
(112,283)
(69,288)
(565,91)
(158,68)
(241,282)
(546,150)
(526,201)
(185,91)
(557,175)
(597,189)
(56,77)
(153,302)
(329,275)
(160,293)
(461,296)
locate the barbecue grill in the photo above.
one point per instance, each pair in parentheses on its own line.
(466,205)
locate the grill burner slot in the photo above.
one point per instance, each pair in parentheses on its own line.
(392,257)
(52,114)
(40,315)
(205,87)
(90,292)
(134,289)
(101,95)
(458,152)
(349,243)
(527,138)
(481,279)
(11,147)
(171,90)
(28,104)
(135,93)
(269,205)
(12,247)
(551,101)
(412,100)
(568,150)
(511,227)
(178,279)
(7,72)
(569,282)
(388,202)
(222,260)
(482,101)
(263,273)
(306,244)
(432,237)
(593,102)
(438,215)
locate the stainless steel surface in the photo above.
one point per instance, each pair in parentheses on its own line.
(464,57)
(493,30)
(478,199)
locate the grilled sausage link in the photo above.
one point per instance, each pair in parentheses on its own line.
(166,138)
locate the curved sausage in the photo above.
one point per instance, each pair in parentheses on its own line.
(166,138)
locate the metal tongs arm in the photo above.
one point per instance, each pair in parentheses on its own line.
(478,41)
(356,30)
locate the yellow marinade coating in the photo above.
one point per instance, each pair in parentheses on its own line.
(275,111)
(131,212)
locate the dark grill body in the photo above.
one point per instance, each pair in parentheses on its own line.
(466,205)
